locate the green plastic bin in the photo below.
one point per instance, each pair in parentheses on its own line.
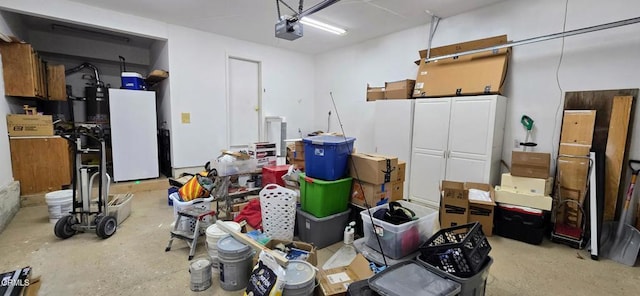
(324,198)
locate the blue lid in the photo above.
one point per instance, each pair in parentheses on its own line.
(328,140)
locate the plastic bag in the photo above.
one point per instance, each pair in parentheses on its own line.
(198,186)
(267,277)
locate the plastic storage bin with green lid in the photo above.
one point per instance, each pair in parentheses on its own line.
(324,198)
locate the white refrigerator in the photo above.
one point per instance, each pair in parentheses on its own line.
(134,144)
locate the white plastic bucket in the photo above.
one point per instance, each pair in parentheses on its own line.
(214,233)
(300,279)
(60,203)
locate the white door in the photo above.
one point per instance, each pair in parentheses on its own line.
(134,143)
(430,138)
(244,102)
(470,139)
(392,133)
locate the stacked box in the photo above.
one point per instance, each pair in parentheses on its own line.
(524,202)
(375,178)
(324,198)
(265,153)
(326,156)
(457,208)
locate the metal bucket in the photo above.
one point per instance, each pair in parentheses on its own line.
(200,270)
(235,262)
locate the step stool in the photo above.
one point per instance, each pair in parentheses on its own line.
(198,215)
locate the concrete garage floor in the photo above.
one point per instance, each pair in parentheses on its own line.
(133,261)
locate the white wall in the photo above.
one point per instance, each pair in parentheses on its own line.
(198,86)
(160,60)
(596,61)
(9,25)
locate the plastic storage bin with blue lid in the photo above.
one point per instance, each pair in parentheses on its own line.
(326,156)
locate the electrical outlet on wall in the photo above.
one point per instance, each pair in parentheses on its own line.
(516,143)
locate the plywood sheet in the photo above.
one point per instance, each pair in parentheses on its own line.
(577,127)
(615,151)
(602,102)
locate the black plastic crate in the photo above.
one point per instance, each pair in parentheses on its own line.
(459,250)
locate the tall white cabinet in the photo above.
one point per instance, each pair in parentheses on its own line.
(458,139)
(134,142)
(392,134)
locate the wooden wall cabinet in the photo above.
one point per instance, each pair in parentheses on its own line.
(56,83)
(26,75)
(41,164)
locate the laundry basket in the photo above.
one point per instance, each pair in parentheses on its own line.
(189,224)
(278,207)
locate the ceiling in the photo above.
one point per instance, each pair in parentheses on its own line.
(254,20)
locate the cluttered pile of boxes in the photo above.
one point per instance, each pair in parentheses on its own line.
(519,208)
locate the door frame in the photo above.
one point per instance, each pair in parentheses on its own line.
(228,57)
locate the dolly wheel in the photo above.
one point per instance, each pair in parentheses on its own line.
(63,228)
(106,227)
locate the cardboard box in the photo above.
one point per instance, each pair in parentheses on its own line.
(541,202)
(373,168)
(482,211)
(397,190)
(464,46)
(454,206)
(313,256)
(374,93)
(402,170)
(530,164)
(264,152)
(375,194)
(20,125)
(335,282)
(299,164)
(474,74)
(399,90)
(298,152)
(527,185)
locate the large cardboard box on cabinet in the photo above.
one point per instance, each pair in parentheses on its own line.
(373,168)
(474,74)
(482,211)
(19,125)
(530,164)
(464,46)
(399,90)
(454,205)
(375,194)
(374,93)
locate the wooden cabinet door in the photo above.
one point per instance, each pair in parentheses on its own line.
(40,164)
(56,83)
(19,68)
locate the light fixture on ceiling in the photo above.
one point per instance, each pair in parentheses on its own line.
(322,26)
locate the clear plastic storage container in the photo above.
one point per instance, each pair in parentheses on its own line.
(399,240)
